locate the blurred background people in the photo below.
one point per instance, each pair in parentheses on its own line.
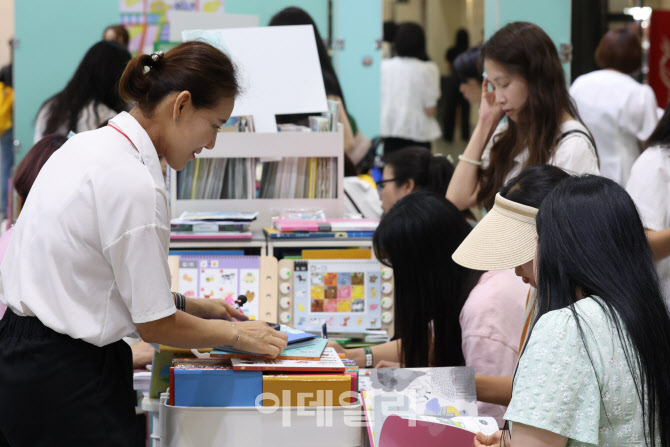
(620,112)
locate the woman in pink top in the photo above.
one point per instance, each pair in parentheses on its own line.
(24,177)
(491,325)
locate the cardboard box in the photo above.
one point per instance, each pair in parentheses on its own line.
(306,390)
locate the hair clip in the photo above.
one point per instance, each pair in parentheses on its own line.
(156,55)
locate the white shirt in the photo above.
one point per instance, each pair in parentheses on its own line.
(574,152)
(620,112)
(88,120)
(408,87)
(88,256)
(649,186)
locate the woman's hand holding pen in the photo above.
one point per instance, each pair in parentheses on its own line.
(258,337)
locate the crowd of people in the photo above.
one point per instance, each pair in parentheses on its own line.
(557,297)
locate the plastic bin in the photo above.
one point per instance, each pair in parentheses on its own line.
(251,426)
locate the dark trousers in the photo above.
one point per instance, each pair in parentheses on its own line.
(55,390)
(392,144)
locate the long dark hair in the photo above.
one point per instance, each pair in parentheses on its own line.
(297,16)
(591,237)
(95,80)
(661,134)
(205,71)
(428,171)
(417,237)
(525,49)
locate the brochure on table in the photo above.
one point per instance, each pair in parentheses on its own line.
(279,69)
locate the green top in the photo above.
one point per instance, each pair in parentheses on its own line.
(557,389)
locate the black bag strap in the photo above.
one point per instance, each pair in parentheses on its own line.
(574,131)
(353,203)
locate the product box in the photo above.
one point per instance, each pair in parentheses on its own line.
(306,390)
(215,386)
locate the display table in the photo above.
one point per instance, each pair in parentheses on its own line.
(251,426)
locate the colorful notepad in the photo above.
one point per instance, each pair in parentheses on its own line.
(313,351)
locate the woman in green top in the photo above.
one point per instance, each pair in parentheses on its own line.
(595,369)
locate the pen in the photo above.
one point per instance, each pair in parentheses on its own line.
(324,330)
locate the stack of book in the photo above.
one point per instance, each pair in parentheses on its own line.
(244,123)
(322,228)
(215,225)
(250,178)
(299,178)
(310,375)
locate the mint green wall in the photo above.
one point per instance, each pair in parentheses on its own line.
(552,15)
(359,24)
(53,37)
(265,9)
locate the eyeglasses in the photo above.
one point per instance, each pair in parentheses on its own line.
(381,184)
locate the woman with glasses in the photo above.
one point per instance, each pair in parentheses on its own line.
(411,169)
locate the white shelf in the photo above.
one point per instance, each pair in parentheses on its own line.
(270,146)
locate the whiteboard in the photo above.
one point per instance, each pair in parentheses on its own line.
(184,20)
(279,70)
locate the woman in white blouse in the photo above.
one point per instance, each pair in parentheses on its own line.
(649,186)
(87,263)
(91,96)
(528,87)
(410,88)
(620,112)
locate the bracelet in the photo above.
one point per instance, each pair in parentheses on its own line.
(368,356)
(470,160)
(238,335)
(179,301)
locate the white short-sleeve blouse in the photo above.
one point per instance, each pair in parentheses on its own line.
(88,255)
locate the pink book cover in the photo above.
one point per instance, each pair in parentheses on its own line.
(332,224)
(400,432)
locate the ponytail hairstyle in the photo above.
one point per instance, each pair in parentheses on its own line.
(590,236)
(417,238)
(430,172)
(197,67)
(525,49)
(94,82)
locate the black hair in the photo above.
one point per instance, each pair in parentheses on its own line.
(297,16)
(661,134)
(388,33)
(466,66)
(95,81)
(417,238)
(533,184)
(197,67)
(430,172)
(410,41)
(462,44)
(591,239)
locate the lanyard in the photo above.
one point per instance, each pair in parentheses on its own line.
(122,133)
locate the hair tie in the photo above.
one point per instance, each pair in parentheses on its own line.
(155,56)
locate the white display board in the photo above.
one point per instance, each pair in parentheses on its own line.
(279,70)
(184,20)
